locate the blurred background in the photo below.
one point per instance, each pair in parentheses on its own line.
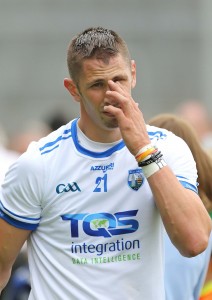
(171,42)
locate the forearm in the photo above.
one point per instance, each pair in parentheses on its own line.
(11,241)
(184,216)
(4,277)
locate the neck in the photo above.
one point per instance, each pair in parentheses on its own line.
(97,134)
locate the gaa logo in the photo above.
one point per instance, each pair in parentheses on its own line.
(69,187)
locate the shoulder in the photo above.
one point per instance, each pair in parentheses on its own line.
(55,139)
(175,150)
(156,133)
(33,161)
(165,138)
(176,153)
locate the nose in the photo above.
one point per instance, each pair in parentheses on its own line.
(107,87)
(106,100)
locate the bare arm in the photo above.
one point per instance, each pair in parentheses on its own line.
(11,242)
(184,216)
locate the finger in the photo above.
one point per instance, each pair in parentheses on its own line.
(119,100)
(115,95)
(114,110)
(115,86)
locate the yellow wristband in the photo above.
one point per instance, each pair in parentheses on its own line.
(144,149)
(144,154)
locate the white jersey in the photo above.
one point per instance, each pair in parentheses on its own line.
(97,233)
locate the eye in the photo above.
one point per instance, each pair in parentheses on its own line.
(119,79)
(97,84)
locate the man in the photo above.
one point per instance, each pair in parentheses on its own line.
(90,197)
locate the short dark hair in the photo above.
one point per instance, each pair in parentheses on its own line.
(97,42)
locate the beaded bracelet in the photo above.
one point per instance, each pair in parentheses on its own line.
(152,164)
(153,158)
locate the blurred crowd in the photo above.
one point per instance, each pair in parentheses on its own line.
(193,111)
(197,114)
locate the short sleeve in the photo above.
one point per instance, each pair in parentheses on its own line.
(179,158)
(22,190)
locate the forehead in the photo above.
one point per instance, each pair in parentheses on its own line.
(94,68)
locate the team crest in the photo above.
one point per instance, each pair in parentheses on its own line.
(135,179)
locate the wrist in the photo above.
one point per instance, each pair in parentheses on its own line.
(146,147)
(154,167)
(145,152)
(152,162)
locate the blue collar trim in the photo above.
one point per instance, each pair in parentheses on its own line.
(87,152)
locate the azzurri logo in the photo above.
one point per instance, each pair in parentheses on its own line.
(102,224)
(103,168)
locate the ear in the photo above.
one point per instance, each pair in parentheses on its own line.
(72,88)
(133,72)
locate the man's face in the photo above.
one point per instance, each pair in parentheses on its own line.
(93,84)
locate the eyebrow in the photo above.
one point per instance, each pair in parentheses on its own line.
(100,80)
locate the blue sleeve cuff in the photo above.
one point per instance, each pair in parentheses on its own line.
(189,186)
(18,224)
